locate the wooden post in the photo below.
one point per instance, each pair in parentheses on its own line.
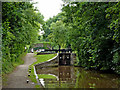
(59,48)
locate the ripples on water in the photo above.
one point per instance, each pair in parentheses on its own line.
(76,77)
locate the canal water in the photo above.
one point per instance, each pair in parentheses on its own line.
(76,77)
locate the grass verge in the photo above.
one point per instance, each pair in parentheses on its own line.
(40,58)
(37,86)
(46,76)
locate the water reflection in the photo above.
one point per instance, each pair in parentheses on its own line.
(91,79)
(66,73)
(75,77)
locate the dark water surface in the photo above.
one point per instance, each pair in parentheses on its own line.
(76,77)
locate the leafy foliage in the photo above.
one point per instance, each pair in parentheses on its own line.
(20,22)
(47,25)
(93,30)
(58,34)
(93,35)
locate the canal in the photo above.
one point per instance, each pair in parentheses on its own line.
(76,77)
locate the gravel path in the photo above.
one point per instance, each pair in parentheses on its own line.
(17,79)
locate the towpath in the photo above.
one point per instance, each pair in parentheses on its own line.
(17,79)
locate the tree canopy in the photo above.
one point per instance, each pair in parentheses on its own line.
(92,29)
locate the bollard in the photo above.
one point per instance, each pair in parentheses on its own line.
(27,81)
(28,75)
(29,71)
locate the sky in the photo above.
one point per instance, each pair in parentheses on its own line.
(49,8)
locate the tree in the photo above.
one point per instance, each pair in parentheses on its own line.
(20,23)
(47,25)
(92,35)
(58,35)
